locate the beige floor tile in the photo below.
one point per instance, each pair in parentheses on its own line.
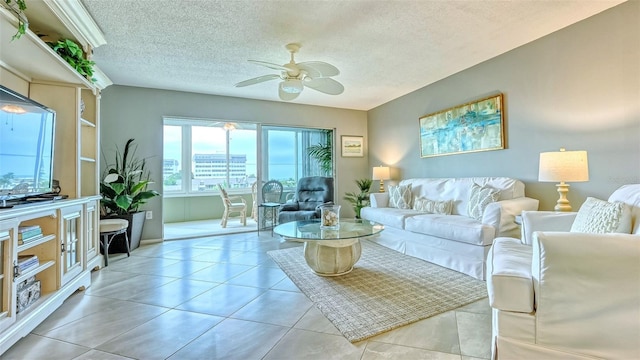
(75,307)
(275,307)
(221,272)
(100,355)
(103,326)
(38,347)
(314,320)
(174,293)
(380,351)
(437,333)
(233,340)
(222,300)
(475,334)
(218,256)
(481,307)
(259,276)
(129,287)
(309,345)
(161,336)
(286,284)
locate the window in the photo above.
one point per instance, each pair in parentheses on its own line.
(199,154)
(287,156)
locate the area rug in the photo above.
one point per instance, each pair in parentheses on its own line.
(385,290)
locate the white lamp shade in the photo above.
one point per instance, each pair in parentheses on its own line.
(381,173)
(292,86)
(570,166)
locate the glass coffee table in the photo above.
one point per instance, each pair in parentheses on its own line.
(330,251)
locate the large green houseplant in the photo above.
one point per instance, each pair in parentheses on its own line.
(124,188)
(361,199)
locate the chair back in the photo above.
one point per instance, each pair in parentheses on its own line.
(224,195)
(313,191)
(272,191)
(630,195)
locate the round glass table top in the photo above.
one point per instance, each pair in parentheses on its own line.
(311,230)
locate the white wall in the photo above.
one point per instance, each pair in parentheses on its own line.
(130,112)
(578,88)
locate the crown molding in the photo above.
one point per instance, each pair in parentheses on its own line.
(78,21)
(102,80)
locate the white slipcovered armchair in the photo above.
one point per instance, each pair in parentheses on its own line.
(560,294)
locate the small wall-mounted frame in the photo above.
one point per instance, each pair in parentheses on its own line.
(470,127)
(352,146)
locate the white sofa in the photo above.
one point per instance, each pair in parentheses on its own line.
(455,241)
(568,295)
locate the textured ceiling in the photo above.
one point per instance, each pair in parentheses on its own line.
(384,49)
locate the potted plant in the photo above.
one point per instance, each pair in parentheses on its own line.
(323,154)
(360,199)
(124,189)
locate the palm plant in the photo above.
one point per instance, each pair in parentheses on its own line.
(323,154)
(124,188)
(361,199)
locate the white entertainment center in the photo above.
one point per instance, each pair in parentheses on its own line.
(68,248)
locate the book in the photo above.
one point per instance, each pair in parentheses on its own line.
(29,234)
(22,229)
(30,239)
(26,262)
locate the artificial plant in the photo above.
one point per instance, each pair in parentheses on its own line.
(73,54)
(361,199)
(23,23)
(323,154)
(124,186)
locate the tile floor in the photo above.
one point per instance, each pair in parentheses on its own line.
(222,297)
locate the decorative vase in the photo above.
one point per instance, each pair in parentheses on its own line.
(330,216)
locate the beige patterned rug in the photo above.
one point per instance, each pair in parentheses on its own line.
(384,291)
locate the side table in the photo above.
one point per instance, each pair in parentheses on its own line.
(272,209)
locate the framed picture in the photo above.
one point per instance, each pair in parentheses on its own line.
(470,127)
(352,146)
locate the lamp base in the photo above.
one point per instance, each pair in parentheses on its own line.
(381,186)
(563,203)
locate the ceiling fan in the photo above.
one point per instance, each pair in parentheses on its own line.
(295,76)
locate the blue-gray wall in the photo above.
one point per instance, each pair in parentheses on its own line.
(577,88)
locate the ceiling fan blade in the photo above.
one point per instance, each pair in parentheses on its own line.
(259,79)
(286,96)
(325,85)
(319,69)
(269,65)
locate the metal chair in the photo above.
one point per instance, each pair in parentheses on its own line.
(271,195)
(109,228)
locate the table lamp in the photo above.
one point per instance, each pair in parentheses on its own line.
(381,173)
(571,166)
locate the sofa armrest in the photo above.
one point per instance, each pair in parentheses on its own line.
(502,215)
(379,200)
(291,206)
(509,280)
(545,221)
(587,292)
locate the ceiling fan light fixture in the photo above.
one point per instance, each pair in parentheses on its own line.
(291,86)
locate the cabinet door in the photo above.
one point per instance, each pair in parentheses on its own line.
(7,317)
(71,238)
(92,240)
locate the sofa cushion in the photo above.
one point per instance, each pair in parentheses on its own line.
(454,227)
(432,206)
(400,196)
(388,216)
(600,217)
(479,198)
(630,195)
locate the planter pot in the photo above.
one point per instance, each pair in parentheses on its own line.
(134,232)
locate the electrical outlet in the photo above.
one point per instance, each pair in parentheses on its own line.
(149,215)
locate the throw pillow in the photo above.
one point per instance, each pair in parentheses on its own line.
(432,206)
(400,196)
(480,197)
(600,217)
